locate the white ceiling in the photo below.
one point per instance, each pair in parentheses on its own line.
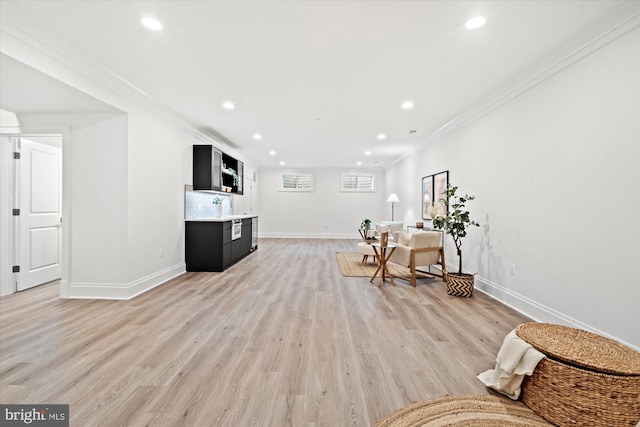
(317,79)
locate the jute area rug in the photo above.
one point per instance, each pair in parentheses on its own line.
(351,266)
(485,411)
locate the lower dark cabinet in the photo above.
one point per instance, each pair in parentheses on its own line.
(227,258)
(208,245)
(246,235)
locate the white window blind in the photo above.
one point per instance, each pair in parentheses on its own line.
(358,181)
(293,181)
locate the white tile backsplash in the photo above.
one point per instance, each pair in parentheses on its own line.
(198,204)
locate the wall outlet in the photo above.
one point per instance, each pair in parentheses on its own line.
(513,269)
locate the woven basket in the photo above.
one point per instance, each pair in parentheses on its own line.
(585,380)
(459,285)
(464,411)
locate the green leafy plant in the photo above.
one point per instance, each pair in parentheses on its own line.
(366,224)
(456,221)
(217,201)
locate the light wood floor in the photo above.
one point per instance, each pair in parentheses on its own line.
(280,339)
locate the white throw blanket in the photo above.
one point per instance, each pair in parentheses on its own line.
(515,359)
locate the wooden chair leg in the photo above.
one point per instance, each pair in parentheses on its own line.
(444,265)
(413,269)
(379,266)
(364,259)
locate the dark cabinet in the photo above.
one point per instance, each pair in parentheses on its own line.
(207,168)
(236,251)
(232,174)
(214,170)
(245,238)
(204,243)
(240,177)
(208,245)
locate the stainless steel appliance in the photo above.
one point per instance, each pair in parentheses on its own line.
(236,229)
(254,233)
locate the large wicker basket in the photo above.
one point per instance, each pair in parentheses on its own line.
(585,380)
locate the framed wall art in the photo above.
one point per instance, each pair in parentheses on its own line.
(432,188)
(427,196)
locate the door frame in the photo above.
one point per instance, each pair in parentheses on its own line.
(8,223)
(7,195)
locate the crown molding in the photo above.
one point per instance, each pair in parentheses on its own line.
(609,28)
(22,34)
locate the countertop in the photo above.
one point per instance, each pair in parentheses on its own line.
(221,219)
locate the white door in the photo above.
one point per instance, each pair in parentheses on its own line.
(40,202)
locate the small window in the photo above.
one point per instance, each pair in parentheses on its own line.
(294,181)
(363,182)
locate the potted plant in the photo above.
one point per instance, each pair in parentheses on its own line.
(455,222)
(366,226)
(217,207)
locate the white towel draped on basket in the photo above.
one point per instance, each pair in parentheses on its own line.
(515,359)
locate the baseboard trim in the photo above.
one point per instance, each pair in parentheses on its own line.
(124,291)
(144,284)
(533,309)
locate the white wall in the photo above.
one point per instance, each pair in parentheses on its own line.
(6,205)
(124,182)
(305,214)
(556,173)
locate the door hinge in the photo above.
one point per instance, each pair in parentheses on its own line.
(15,269)
(16,212)
(16,155)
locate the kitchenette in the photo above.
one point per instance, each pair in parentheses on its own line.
(214,244)
(215,237)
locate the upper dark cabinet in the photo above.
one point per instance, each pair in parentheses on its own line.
(207,168)
(217,171)
(232,171)
(240,177)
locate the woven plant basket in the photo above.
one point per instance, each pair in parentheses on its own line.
(584,380)
(459,285)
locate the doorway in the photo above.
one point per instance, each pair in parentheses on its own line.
(36,213)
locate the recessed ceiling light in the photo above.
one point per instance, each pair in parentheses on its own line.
(367,153)
(257,136)
(407,105)
(282,162)
(359,163)
(273,153)
(474,23)
(228,105)
(381,136)
(152,23)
